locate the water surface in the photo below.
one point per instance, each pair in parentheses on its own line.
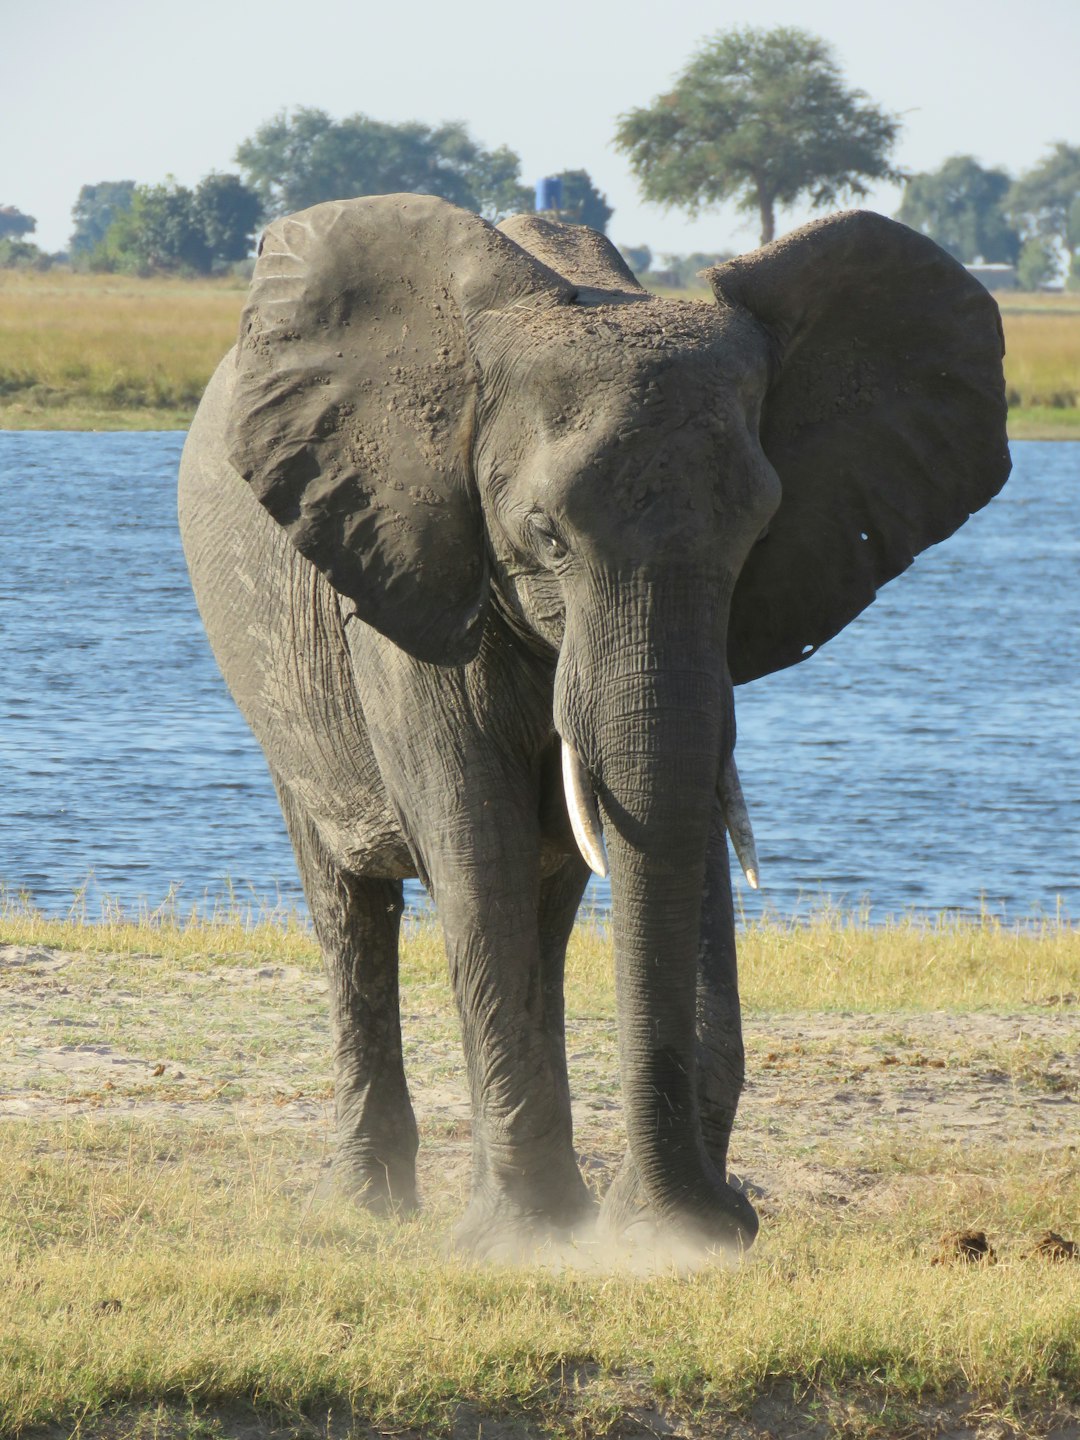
(926,758)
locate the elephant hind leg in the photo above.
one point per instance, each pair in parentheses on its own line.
(357,924)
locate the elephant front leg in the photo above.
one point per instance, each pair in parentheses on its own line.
(720,1053)
(526,1186)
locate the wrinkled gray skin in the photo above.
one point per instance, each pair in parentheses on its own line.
(459,492)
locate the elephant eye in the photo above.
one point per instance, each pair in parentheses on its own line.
(545,537)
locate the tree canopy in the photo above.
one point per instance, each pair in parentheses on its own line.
(169,227)
(1038,264)
(95,209)
(302,158)
(762,117)
(582,203)
(13,223)
(961,206)
(228,214)
(1040,202)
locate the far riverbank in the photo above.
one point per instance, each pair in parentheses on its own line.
(116,352)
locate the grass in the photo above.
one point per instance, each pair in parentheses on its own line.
(134,1275)
(172,1262)
(110,352)
(828,962)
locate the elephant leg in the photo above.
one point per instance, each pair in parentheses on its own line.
(526,1186)
(720,1055)
(560,897)
(357,921)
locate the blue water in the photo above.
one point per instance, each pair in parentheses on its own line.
(925,759)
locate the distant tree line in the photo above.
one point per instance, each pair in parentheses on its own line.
(981,215)
(761,117)
(764,118)
(297,159)
(984,215)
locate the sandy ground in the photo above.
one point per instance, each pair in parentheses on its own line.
(827,1094)
(849,1114)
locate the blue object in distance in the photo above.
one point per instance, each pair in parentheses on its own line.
(549,193)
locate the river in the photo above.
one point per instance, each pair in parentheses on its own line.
(925,760)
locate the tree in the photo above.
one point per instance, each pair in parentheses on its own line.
(582,203)
(160,231)
(14,224)
(762,117)
(1038,263)
(960,206)
(95,209)
(681,272)
(1040,202)
(638,257)
(298,160)
(22,255)
(169,227)
(228,213)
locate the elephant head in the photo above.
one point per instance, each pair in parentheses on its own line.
(665,498)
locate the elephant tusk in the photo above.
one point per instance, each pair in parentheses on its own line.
(737,820)
(584,816)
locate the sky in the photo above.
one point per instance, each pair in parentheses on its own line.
(140,89)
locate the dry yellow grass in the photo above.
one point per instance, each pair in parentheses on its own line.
(112,344)
(113,352)
(1042,357)
(828,962)
(166,1255)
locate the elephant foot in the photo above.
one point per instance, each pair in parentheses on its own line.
(628,1219)
(499,1229)
(384,1187)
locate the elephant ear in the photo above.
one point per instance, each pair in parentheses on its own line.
(885,422)
(352,410)
(580,254)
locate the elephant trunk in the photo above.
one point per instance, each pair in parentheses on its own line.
(652,720)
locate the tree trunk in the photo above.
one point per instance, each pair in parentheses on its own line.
(768,214)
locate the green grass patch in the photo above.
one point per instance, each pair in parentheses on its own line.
(1044,422)
(138,1273)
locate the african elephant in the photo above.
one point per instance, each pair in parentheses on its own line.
(483,536)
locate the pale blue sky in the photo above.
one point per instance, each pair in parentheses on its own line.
(132,89)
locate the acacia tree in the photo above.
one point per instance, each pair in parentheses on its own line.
(762,117)
(960,206)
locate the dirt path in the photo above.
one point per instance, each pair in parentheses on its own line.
(136,1038)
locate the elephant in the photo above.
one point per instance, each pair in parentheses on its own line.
(483,536)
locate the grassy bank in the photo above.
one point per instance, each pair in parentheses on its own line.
(109,352)
(828,962)
(103,352)
(174,1263)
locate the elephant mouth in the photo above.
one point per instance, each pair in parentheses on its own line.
(589,834)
